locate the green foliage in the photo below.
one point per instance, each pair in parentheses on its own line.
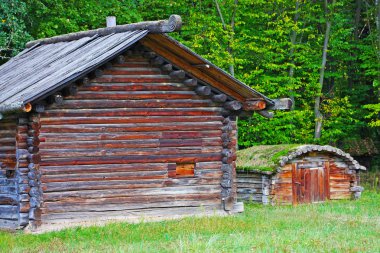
(276,48)
(13,34)
(341,226)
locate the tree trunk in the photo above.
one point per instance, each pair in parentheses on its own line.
(317,105)
(293,39)
(231,68)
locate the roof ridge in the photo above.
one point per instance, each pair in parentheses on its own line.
(174,23)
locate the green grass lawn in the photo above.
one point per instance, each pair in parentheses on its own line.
(344,226)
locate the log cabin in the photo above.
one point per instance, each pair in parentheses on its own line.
(296,174)
(122,122)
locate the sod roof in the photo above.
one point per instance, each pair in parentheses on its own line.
(267,158)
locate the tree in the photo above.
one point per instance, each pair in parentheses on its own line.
(13,34)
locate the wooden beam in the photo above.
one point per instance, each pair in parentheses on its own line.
(281,104)
(183,64)
(254,105)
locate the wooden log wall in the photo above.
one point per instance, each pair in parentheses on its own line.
(249,186)
(107,150)
(9,202)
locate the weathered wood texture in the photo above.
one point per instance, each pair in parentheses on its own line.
(311,184)
(107,150)
(249,186)
(9,202)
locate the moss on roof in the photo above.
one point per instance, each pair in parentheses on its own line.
(263,158)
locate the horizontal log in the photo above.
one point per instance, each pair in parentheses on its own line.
(182,158)
(119,176)
(122,120)
(138,127)
(61,153)
(281,104)
(128,199)
(116,144)
(131,206)
(9,224)
(8,212)
(136,95)
(124,112)
(93,169)
(132,79)
(169,86)
(148,103)
(131,71)
(56,137)
(137,215)
(54,196)
(133,183)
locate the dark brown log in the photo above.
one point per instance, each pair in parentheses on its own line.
(167,67)
(150,55)
(254,105)
(39,108)
(233,105)
(84,81)
(157,61)
(178,74)
(219,98)
(203,90)
(191,82)
(56,99)
(70,90)
(96,73)
(107,65)
(119,59)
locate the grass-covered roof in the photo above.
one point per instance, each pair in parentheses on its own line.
(267,158)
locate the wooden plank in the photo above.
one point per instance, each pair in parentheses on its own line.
(295,183)
(93,194)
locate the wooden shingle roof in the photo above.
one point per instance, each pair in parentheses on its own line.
(48,65)
(268,158)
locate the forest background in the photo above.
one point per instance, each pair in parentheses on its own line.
(323,54)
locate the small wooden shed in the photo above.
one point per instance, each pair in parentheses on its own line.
(121,122)
(295,174)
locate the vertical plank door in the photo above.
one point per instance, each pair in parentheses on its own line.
(310,184)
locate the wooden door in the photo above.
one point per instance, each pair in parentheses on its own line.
(310,183)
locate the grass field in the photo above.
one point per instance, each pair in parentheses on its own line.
(343,226)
